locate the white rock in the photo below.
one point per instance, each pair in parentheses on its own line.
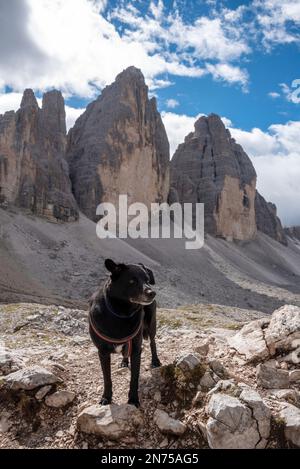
(272,378)
(261,412)
(224,385)
(249,341)
(112,421)
(230,424)
(30,378)
(43,392)
(291,417)
(9,362)
(284,328)
(167,424)
(60,398)
(290,395)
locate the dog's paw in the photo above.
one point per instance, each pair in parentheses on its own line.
(105,401)
(134,402)
(124,364)
(155,363)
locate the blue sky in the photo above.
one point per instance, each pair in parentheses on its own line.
(234,58)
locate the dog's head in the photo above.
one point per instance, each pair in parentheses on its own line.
(131,282)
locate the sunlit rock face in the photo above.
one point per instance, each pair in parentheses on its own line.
(119,146)
(210,167)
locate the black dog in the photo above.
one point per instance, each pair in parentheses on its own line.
(121,314)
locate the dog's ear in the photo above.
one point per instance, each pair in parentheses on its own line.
(150,273)
(113,268)
(110,265)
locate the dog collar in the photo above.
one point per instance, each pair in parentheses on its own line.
(126,340)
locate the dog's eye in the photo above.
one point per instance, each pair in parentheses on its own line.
(132,281)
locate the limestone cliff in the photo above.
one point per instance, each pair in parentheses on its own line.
(119,146)
(267,220)
(33,170)
(210,167)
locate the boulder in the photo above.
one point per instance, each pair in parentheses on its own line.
(218,369)
(166,424)
(188,362)
(283,331)
(203,347)
(250,341)
(294,376)
(30,378)
(272,378)
(260,412)
(9,362)
(208,381)
(43,392)
(230,424)
(291,418)
(112,421)
(60,398)
(289,395)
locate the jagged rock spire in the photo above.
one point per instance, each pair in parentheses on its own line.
(28,99)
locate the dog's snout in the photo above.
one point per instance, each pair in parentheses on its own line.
(149,292)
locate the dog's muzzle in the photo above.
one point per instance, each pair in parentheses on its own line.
(150,293)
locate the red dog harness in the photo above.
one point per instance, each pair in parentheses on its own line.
(125,340)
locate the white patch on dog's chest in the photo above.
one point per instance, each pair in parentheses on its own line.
(118,348)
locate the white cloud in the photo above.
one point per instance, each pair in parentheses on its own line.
(292,95)
(178,126)
(10,102)
(73,45)
(274,94)
(203,40)
(172,103)
(229,73)
(69,45)
(275,17)
(72,115)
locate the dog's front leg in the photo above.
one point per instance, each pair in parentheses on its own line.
(135,361)
(106,370)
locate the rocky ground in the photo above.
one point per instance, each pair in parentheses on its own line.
(230,378)
(63,264)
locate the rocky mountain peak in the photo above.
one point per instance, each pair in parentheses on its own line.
(53,108)
(129,74)
(119,146)
(212,168)
(209,167)
(34,174)
(29,99)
